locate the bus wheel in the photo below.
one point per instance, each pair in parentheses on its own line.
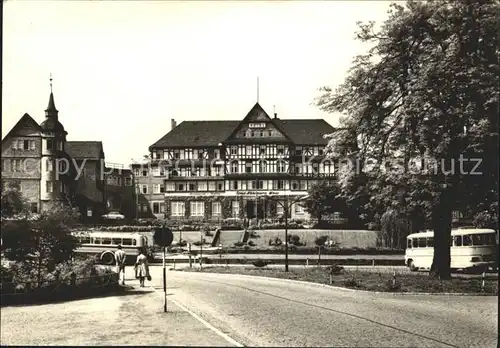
(107,258)
(412,267)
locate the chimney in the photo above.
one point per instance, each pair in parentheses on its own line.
(173,124)
(275,116)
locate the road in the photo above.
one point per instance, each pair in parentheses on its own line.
(263,312)
(231,310)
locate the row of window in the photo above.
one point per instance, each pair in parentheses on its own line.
(26,145)
(52,144)
(107,241)
(262,133)
(54,186)
(457,241)
(197,208)
(176,186)
(189,154)
(272,150)
(117,181)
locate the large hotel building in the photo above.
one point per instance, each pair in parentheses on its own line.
(211,170)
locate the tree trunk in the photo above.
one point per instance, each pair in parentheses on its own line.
(441,223)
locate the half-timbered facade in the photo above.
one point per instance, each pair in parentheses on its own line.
(212,170)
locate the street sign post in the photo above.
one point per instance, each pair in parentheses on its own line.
(163,237)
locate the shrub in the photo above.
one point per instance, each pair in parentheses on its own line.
(352,283)
(390,286)
(294,239)
(320,241)
(278,241)
(238,244)
(251,243)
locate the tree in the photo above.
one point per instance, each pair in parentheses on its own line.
(323,199)
(40,244)
(422,112)
(13,202)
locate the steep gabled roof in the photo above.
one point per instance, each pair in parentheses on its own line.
(197,133)
(85,149)
(23,121)
(306,132)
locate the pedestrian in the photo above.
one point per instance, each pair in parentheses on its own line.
(120,258)
(142,268)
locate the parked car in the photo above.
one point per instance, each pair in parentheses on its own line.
(113,215)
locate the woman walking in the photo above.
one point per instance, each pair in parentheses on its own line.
(142,268)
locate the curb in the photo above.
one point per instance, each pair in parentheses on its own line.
(333,287)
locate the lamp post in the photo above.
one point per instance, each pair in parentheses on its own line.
(286,209)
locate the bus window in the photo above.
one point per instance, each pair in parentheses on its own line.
(96,240)
(85,240)
(106,241)
(127,241)
(116,241)
(430,242)
(466,240)
(408,243)
(422,243)
(457,240)
(134,242)
(479,239)
(415,242)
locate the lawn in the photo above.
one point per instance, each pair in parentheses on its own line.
(344,238)
(367,280)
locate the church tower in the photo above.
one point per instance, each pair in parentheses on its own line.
(52,187)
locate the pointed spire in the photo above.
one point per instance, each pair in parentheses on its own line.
(52,105)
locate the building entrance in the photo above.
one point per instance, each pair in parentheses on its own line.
(255,210)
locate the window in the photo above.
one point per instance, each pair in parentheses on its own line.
(16,165)
(248,167)
(156,188)
(197,208)
(280,185)
(170,186)
(50,144)
(192,187)
(177,208)
(422,242)
(466,240)
(144,172)
(299,209)
(156,207)
(298,150)
(430,242)
(85,240)
(97,240)
(116,241)
(216,209)
(106,241)
(49,186)
(280,208)
(220,186)
(234,150)
(34,207)
(408,243)
(128,181)
(136,171)
(144,188)
(457,240)
(235,185)
(127,241)
(202,186)
(217,153)
(415,242)
(234,167)
(235,208)
(320,151)
(180,187)
(478,239)
(295,185)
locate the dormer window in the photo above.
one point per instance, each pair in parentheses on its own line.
(50,144)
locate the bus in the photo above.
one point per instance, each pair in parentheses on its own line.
(104,244)
(471,249)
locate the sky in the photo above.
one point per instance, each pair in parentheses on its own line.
(123,69)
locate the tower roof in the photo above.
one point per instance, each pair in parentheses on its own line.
(52,105)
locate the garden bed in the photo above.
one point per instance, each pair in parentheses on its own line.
(367,280)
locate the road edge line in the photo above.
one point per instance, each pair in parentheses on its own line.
(208,325)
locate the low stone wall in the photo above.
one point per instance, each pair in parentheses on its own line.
(73,288)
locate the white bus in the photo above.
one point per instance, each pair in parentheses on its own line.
(104,244)
(470,249)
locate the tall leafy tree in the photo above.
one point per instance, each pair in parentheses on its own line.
(422,105)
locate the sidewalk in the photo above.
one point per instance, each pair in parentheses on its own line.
(135,317)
